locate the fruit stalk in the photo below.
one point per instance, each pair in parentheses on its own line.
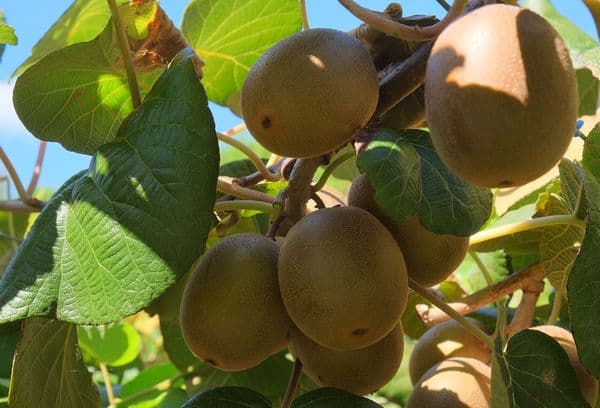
(594,8)
(261,206)
(477,300)
(290,392)
(126,53)
(254,158)
(298,190)
(475,331)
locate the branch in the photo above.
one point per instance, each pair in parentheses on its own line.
(126,53)
(298,191)
(474,330)
(16,206)
(471,303)
(224,185)
(526,310)
(37,169)
(26,198)
(381,22)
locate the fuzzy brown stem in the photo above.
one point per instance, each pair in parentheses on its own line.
(298,191)
(526,311)
(534,273)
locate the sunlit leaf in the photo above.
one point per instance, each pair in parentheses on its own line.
(231,35)
(117,236)
(114,345)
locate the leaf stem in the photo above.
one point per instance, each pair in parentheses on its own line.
(107,384)
(25,198)
(523,226)
(37,169)
(224,185)
(305,25)
(474,330)
(261,206)
(292,384)
(556,305)
(330,169)
(126,53)
(477,300)
(254,158)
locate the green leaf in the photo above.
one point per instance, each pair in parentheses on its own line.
(539,372)
(151,377)
(393,161)
(332,398)
(7,34)
(228,397)
(587,86)
(584,281)
(79,95)
(591,152)
(48,369)
(114,345)
(231,35)
(82,21)
(469,275)
(113,239)
(9,335)
(574,37)
(501,389)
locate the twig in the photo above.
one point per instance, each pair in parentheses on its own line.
(330,169)
(17,206)
(257,161)
(381,22)
(318,201)
(471,303)
(126,53)
(257,177)
(526,310)
(444,4)
(235,130)
(238,205)
(37,169)
(25,198)
(224,185)
(424,292)
(107,384)
(523,226)
(305,25)
(292,384)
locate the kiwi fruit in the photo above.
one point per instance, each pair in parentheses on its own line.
(587,382)
(231,313)
(457,382)
(310,93)
(342,278)
(446,340)
(430,258)
(361,371)
(501,109)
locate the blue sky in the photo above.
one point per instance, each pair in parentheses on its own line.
(30,26)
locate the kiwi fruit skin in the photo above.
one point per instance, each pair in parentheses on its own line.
(501,109)
(453,383)
(361,371)
(342,278)
(310,93)
(430,258)
(446,340)
(587,382)
(233,295)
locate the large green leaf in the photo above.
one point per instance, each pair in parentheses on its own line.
(82,21)
(78,95)
(228,397)
(539,373)
(231,35)
(48,369)
(117,236)
(114,345)
(409,177)
(332,398)
(9,334)
(583,286)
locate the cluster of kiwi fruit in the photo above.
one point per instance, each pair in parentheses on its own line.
(334,290)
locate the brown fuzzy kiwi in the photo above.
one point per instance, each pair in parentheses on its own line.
(501,108)
(457,382)
(342,278)
(310,93)
(231,313)
(430,258)
(446,340)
